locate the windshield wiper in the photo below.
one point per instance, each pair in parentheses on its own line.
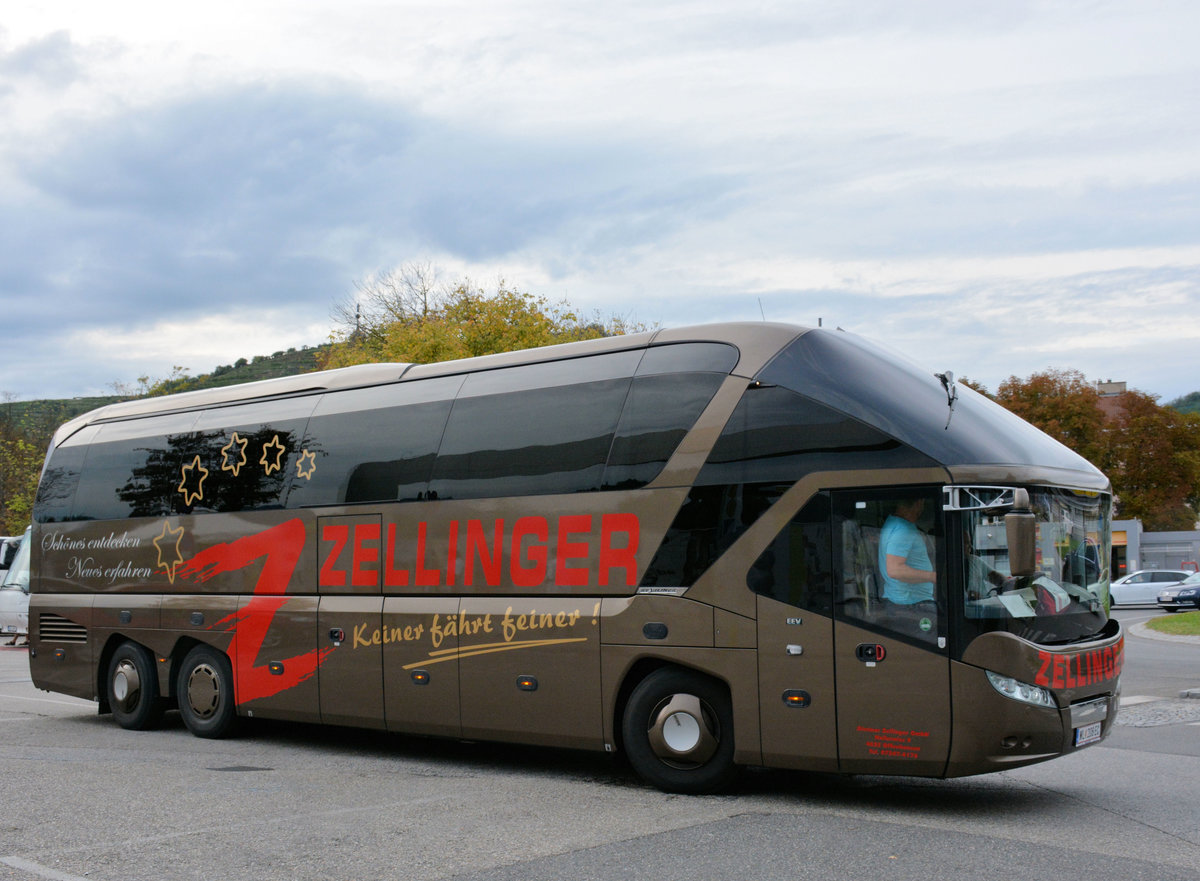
(947,379)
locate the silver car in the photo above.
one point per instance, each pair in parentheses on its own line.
(1144,586)
(14,597)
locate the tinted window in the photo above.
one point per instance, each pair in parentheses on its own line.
(776,434)
(536,429)
(797,567)
(659,412)
(548,440)
(253,452)
(689,358)
(909,403)
(56,490)
(134,468)
(375,444)
(710,521)
(530,377)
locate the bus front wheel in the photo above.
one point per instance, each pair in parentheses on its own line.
(678,732)
(133,688)
(205,692)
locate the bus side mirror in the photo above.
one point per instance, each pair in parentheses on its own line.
(1021,525)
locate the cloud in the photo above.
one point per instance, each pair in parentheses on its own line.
(273,170)
(995,187)
(269,196)
(52,60)
(206,339)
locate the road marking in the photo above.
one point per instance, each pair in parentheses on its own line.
(1135,699)
(38,869)
(78,703)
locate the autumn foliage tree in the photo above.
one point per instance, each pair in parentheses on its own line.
(407,316)
(1152,456)
(1063,404)
(1151,453)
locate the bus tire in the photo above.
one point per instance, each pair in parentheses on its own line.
(678,732)
(132,686)
(204,689)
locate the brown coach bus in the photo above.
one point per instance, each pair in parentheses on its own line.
(705,547)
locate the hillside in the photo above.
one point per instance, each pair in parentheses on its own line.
(41,417)
(1187,404)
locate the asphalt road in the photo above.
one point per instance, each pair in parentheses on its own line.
(88,800)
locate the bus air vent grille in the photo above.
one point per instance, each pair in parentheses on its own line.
(55,628)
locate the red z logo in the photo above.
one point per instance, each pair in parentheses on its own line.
(280,548)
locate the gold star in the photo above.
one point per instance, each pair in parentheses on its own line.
(191,496)
(227,454)
(308,456)
(163,542)
(279,451)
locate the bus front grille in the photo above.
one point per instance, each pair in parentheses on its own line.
(55,628)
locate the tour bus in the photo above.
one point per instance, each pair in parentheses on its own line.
(703,547)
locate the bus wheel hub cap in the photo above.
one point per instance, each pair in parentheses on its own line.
(126,684)
(681,732)
(203,691)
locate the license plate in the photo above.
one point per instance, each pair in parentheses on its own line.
(1087,734)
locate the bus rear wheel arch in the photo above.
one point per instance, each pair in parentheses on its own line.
(131,687)
(677,730)
(204,692)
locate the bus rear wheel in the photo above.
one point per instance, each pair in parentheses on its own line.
(204,688)
(678,732)
(133,688)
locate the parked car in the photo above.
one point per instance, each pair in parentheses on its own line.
(1185,596)
(14,596)
(1189,595)
(8,551)
(1144,586)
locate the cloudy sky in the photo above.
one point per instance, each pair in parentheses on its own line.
(992,188)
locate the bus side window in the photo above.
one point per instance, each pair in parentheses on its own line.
(528,442)
(797,567)
(889,561)
(658,414)
(56,490)
(376,444)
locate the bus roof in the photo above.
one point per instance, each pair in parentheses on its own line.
(756,341)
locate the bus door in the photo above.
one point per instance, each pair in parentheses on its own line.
(797,700)
(350,620)
(893,669)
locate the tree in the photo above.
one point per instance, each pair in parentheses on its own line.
(410,318)
(20,466)
(1153,460)
(1061,403)
(400,295)
(1151,453)
(1189,403)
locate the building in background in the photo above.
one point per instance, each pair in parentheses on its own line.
(1134,549)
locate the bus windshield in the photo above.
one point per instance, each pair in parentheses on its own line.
(1064,601)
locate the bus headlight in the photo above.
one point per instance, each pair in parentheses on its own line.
(1021,691)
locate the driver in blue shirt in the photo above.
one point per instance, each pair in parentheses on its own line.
(908,575)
